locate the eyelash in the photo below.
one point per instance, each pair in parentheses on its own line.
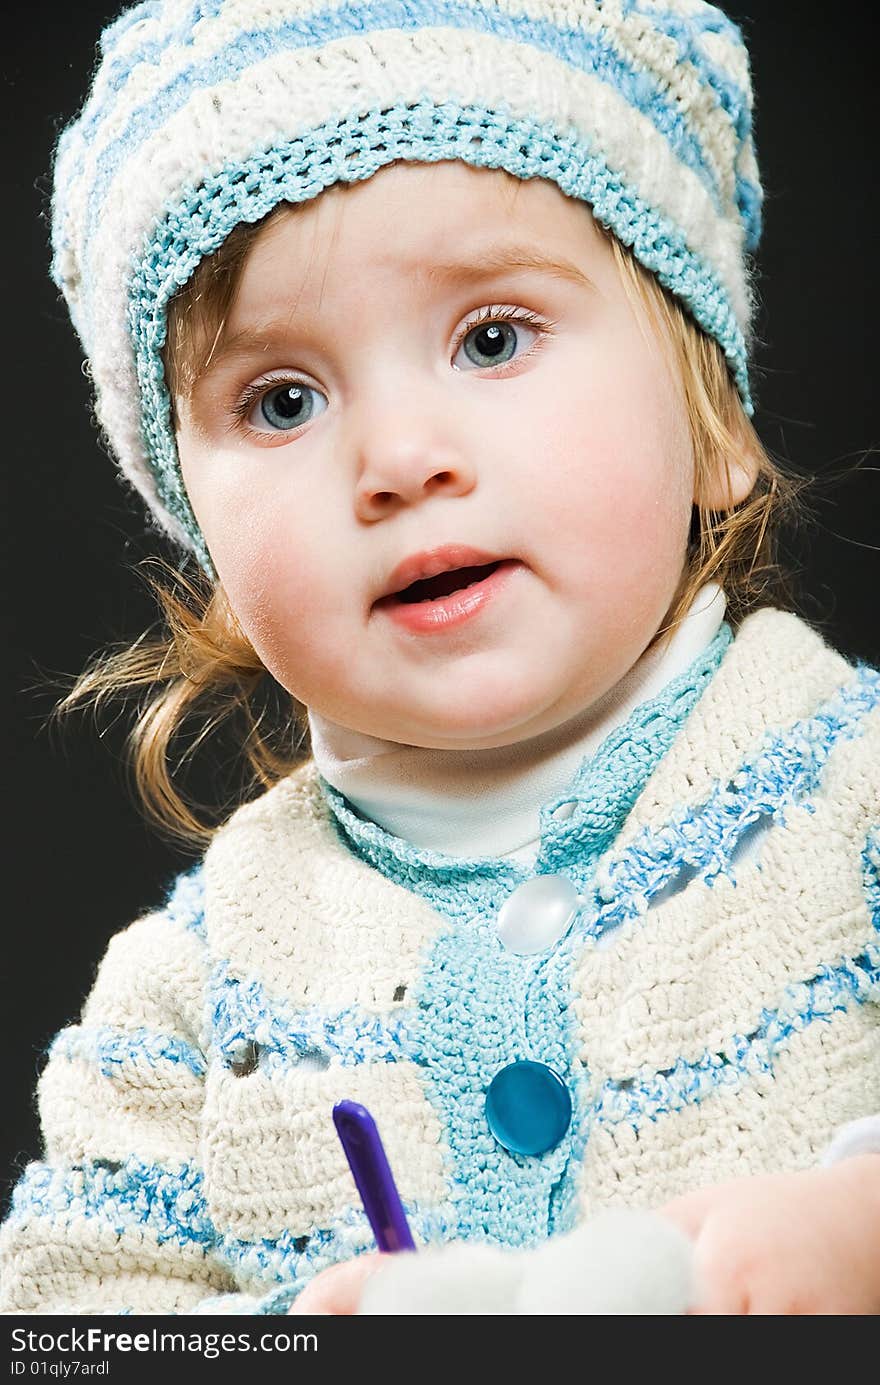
(253,393)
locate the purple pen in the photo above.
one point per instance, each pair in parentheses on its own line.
(372,1175)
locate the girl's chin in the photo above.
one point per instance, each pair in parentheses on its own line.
(463,735)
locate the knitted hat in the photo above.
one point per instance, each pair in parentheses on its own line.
(207,113)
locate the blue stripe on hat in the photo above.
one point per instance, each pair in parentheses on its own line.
(686,30)
(115,32)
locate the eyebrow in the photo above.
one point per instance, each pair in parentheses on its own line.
(500,259)
(492,262)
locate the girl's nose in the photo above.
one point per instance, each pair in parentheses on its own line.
(407,457)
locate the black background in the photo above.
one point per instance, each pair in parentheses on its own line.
(81,861)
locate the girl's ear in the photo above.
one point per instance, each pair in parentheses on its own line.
(732,475)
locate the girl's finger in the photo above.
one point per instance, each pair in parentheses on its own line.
(689,1211)
(338,1290)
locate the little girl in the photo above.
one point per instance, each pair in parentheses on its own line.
(423,333)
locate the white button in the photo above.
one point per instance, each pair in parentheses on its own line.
(538,914)
(565,810)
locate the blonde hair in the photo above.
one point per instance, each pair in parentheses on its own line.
(201,661)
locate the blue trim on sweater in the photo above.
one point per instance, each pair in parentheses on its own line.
(241,1010)
(113,1049)
(650,1095)
(871,874)
(168,1202)
(786,769)
(185,900)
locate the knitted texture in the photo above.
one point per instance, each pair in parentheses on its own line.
(713,1010)
(204,115)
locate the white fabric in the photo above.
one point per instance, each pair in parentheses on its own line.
(856,1137)
(619,1261)
(488,802)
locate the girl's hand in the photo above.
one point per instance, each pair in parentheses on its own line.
(337,1290)
(791,1243)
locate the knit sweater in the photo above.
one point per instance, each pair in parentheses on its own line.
(728,1025)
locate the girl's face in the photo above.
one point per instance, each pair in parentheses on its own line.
(387,384)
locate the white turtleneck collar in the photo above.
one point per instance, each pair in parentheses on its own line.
(487,802)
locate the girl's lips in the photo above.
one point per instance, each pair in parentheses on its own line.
(448,612)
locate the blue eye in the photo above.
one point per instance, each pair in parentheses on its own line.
(287,406)
(493,343)
(494,339)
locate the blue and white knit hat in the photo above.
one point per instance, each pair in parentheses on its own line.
(207,113)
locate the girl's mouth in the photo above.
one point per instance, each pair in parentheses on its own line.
(444,584)
(438,603)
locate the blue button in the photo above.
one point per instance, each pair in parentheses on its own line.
(528,1107)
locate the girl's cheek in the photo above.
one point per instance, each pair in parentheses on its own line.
(275,601)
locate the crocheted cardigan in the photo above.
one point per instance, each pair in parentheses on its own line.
(713,1010)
